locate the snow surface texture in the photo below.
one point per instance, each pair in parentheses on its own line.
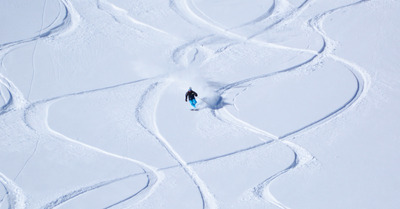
(298,104)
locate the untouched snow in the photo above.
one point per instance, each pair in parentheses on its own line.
(298,104)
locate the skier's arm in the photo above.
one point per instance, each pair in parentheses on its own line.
(195,94)
(186,96)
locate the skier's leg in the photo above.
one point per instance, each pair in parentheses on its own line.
(193,102)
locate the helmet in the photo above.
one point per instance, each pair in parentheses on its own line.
(190,88)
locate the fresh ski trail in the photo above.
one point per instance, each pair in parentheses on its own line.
(360,75)
(188,9)
(150,124)
(265,185)
(66,197)
(326,51)
(302,156)
(67,25)
(247,149)
(7,96)
(15,195)
(121,16)
(287,16)
(35,116)
(363,82)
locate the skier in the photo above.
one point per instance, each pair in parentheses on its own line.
(191,94)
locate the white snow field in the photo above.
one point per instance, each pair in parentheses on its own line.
(298,107)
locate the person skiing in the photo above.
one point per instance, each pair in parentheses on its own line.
(191,95)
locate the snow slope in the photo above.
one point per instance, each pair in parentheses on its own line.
(298,104)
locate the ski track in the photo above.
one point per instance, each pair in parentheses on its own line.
(286,17)
(34,51)
(132,196)
(39,110)
(27,161)
(36,116)
(194,16)
(265,185)
(5,96)
(68,24)
(264,16)
(208,200)
(190,11)
(362,79)
(28,112)
(66,197)
(301,157)
(121,16)
(15,195)
(252,148)
(326,51)
(16,99)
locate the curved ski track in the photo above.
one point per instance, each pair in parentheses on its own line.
(191,11)
(121,16)
(83,190)
(208,200)
(35,118)
(301,156)
(15,195)
(188,11)
(68,24)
